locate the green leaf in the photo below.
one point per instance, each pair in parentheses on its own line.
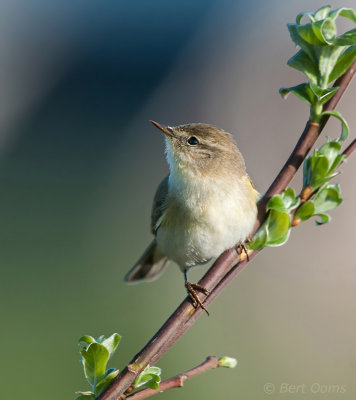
(324,219)
(289,195)
(290,201)
(227,362)
(343,12)
(111,343)
(344,126)
(320,168)
(299,41)
(110,375)
(153,383)
(303,91)
(305,211)
(259,239)
(284,202)
(331,150)
(319,33)
(278,228)
(322,13)
(347,39)
(304,14)
(274,231)
(327,198)
(95,358)
(328,58)
(276,203)
(336,163)
(303,63)
(149,377)
(316,170)
(87,340)
(343,63)
(311,33)
(323,95)
(326,29)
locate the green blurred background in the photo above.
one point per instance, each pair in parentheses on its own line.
(79,164)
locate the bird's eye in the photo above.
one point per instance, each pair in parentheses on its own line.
(193,141)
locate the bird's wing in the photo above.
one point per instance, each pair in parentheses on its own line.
(159,205)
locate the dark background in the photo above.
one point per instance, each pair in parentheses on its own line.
(79,164)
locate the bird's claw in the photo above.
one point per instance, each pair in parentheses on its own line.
(191,289)
(242,251)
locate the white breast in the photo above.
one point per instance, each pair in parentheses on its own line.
(204,217)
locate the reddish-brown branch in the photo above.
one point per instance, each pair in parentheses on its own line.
(352,147)
(226,266)
(177,381)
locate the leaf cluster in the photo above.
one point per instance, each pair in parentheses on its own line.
(323,56)
(322,164)
(150,377)
(95,355)
(326,198)
(316,198)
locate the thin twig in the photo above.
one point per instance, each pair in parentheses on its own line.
(226,266)
(352,147)
(177,381)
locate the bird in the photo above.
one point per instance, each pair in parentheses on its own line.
(206,205)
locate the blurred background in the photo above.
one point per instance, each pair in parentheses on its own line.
(79,165)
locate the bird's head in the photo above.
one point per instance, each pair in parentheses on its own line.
(201,148)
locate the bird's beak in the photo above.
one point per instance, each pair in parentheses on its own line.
(165,129)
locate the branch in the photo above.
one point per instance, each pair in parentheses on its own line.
(176,381)
(352,147)
(226,267)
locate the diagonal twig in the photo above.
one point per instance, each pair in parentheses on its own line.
(176,381)
(352,147)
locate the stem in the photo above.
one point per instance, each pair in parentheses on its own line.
(315,113)
(227,266)
(352,147)
(177,381)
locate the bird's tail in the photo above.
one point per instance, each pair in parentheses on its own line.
(149,266)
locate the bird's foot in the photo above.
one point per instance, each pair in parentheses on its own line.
(242,251)
(191,289)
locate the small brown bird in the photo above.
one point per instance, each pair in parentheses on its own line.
(206,204)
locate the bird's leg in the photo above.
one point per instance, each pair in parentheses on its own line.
(191,289)
(241,248)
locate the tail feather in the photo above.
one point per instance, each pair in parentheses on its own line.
(149,266)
